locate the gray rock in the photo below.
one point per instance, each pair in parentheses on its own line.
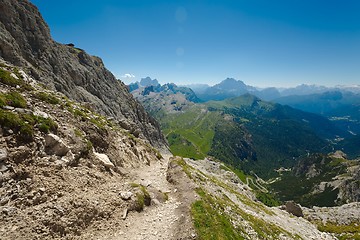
(294,209)
(55,146)
(125,214)
(20,154)
(104,160)
(126,195)
(41,114)
(3,154)
(3,167)
(8,108)
(9,210)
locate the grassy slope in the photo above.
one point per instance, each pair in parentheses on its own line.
(244,132)
(190,133)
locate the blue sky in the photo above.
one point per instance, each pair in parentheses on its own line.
(264,43)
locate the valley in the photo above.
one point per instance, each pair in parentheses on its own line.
(259,137)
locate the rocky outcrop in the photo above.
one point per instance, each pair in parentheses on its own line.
(25,41)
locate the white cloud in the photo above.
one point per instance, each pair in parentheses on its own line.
(128,75)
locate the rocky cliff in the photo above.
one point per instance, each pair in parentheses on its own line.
(25,41)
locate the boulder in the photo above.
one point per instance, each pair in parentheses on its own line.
(294,209)
(55,146)
(104,160)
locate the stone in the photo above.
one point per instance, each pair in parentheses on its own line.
(126,195)
(14,76)
(8,108)
(20,154)
(104,160)
(155,202)
(3,167)
(69,157)
(3,154)
(294,209)
(9,210)
(55,146)
(41,114)
(125,214)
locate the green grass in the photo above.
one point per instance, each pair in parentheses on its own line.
(342,232)
(49,98)
(13,99)
(209,221)
(268,199)
(142,198)
(7,79)
(190,133)
(24,124)
(46,125)
(16,123)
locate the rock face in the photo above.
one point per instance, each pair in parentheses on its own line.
(25,41)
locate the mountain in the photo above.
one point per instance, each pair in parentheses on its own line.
(148,82)
(68,171)
(61,161)
(197,88)
(225,89)
(169,96)
(144,82)
(340,107)
(231,87)
(244,131)
(25,41)
(304,89)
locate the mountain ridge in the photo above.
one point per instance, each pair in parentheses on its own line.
(26,42)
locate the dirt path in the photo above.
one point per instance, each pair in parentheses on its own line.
(157,221)
(163,220)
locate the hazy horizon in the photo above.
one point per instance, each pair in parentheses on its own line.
(265,44)
(129,81)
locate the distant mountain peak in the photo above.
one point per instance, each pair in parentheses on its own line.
(230,84)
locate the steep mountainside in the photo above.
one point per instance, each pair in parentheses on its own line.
(320,180)
(63,166)
(25,41)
